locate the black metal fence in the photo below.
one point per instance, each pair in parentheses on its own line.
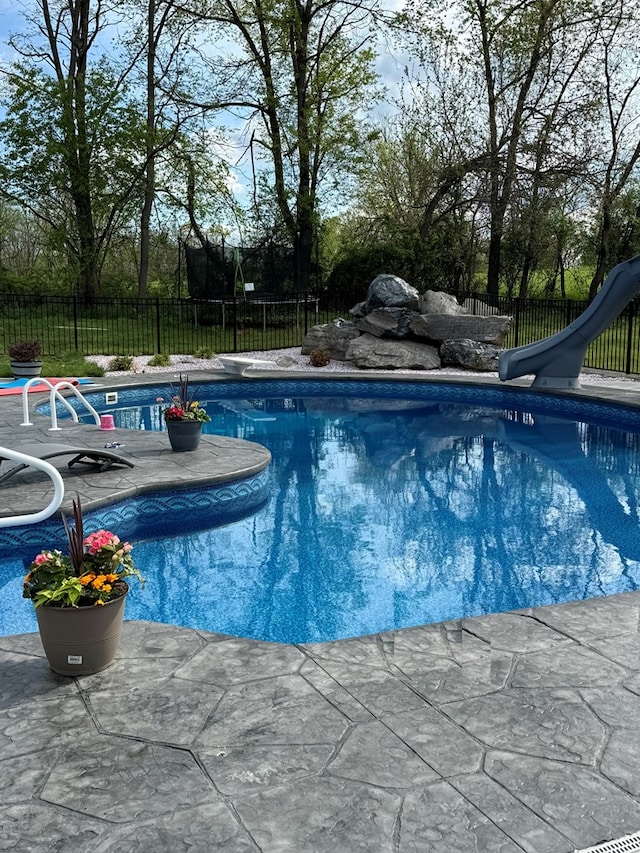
(121,326)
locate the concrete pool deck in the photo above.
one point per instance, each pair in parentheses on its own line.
(510,732)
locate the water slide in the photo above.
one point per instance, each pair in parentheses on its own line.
(557,360)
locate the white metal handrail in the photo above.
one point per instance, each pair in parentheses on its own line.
(55,392)
(38,380)
(55,395)
(58,489)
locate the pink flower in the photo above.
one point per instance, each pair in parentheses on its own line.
(42,558)
(100,539)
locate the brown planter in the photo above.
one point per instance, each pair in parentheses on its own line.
(81,640)
(184,435)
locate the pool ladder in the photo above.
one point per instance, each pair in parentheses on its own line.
(58,489)
(41,464)
(55,396)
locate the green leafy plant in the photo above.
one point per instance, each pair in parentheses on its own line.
(160,359)
(25,351)
(121,362)
(205,352)
(90,369)
(181,407)
(93,573)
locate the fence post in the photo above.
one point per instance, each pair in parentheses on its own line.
(235,321)
(158,340)
(630,318)
(516,325)
(568,313)
(75,322)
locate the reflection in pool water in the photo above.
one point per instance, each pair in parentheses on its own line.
(388,513)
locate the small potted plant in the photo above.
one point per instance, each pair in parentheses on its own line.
(184,418)
(80,597)
(26,359)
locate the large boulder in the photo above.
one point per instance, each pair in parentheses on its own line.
(437,302)
(469,354)
(333,337)
(390,291)
(446,327)
(387,322)
(371,353)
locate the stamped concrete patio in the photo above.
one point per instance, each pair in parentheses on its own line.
(512,732)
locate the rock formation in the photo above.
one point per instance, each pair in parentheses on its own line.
(396,327)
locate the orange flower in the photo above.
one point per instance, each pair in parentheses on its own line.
(85,580)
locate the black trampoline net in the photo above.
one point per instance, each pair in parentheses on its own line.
(218,272)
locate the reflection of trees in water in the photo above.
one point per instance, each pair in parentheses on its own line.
(413,516)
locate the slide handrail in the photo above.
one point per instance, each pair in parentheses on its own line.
(58,489)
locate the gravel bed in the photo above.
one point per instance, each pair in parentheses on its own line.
(292,359)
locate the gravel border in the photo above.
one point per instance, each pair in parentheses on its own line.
(292,359)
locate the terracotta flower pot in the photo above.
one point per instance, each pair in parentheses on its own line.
(184,435)
(81,640)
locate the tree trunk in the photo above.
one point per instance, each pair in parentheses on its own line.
(602,264)
(150,178)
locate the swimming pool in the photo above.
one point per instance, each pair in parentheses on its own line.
(397,504)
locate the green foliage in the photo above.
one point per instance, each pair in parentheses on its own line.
(89,368)
(93,573)
(38,165)
(182,407)
(160,359)
(205,353)
(70,364)
(121,362)
(351,276)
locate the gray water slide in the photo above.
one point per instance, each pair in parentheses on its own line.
(557,360)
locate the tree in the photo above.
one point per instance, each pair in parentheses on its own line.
(161,41)
(412,192)
(77,168)
(298,79)
(514,68)
(615,161)
(72,138)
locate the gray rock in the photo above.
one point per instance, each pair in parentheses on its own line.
(446,327)
(437,302)
(369,352)
(478,307)
(359,310)
(390,291)
(469,354)
(286,361)
(387,322)
(333,337)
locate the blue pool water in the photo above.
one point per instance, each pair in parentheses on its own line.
(384,513)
